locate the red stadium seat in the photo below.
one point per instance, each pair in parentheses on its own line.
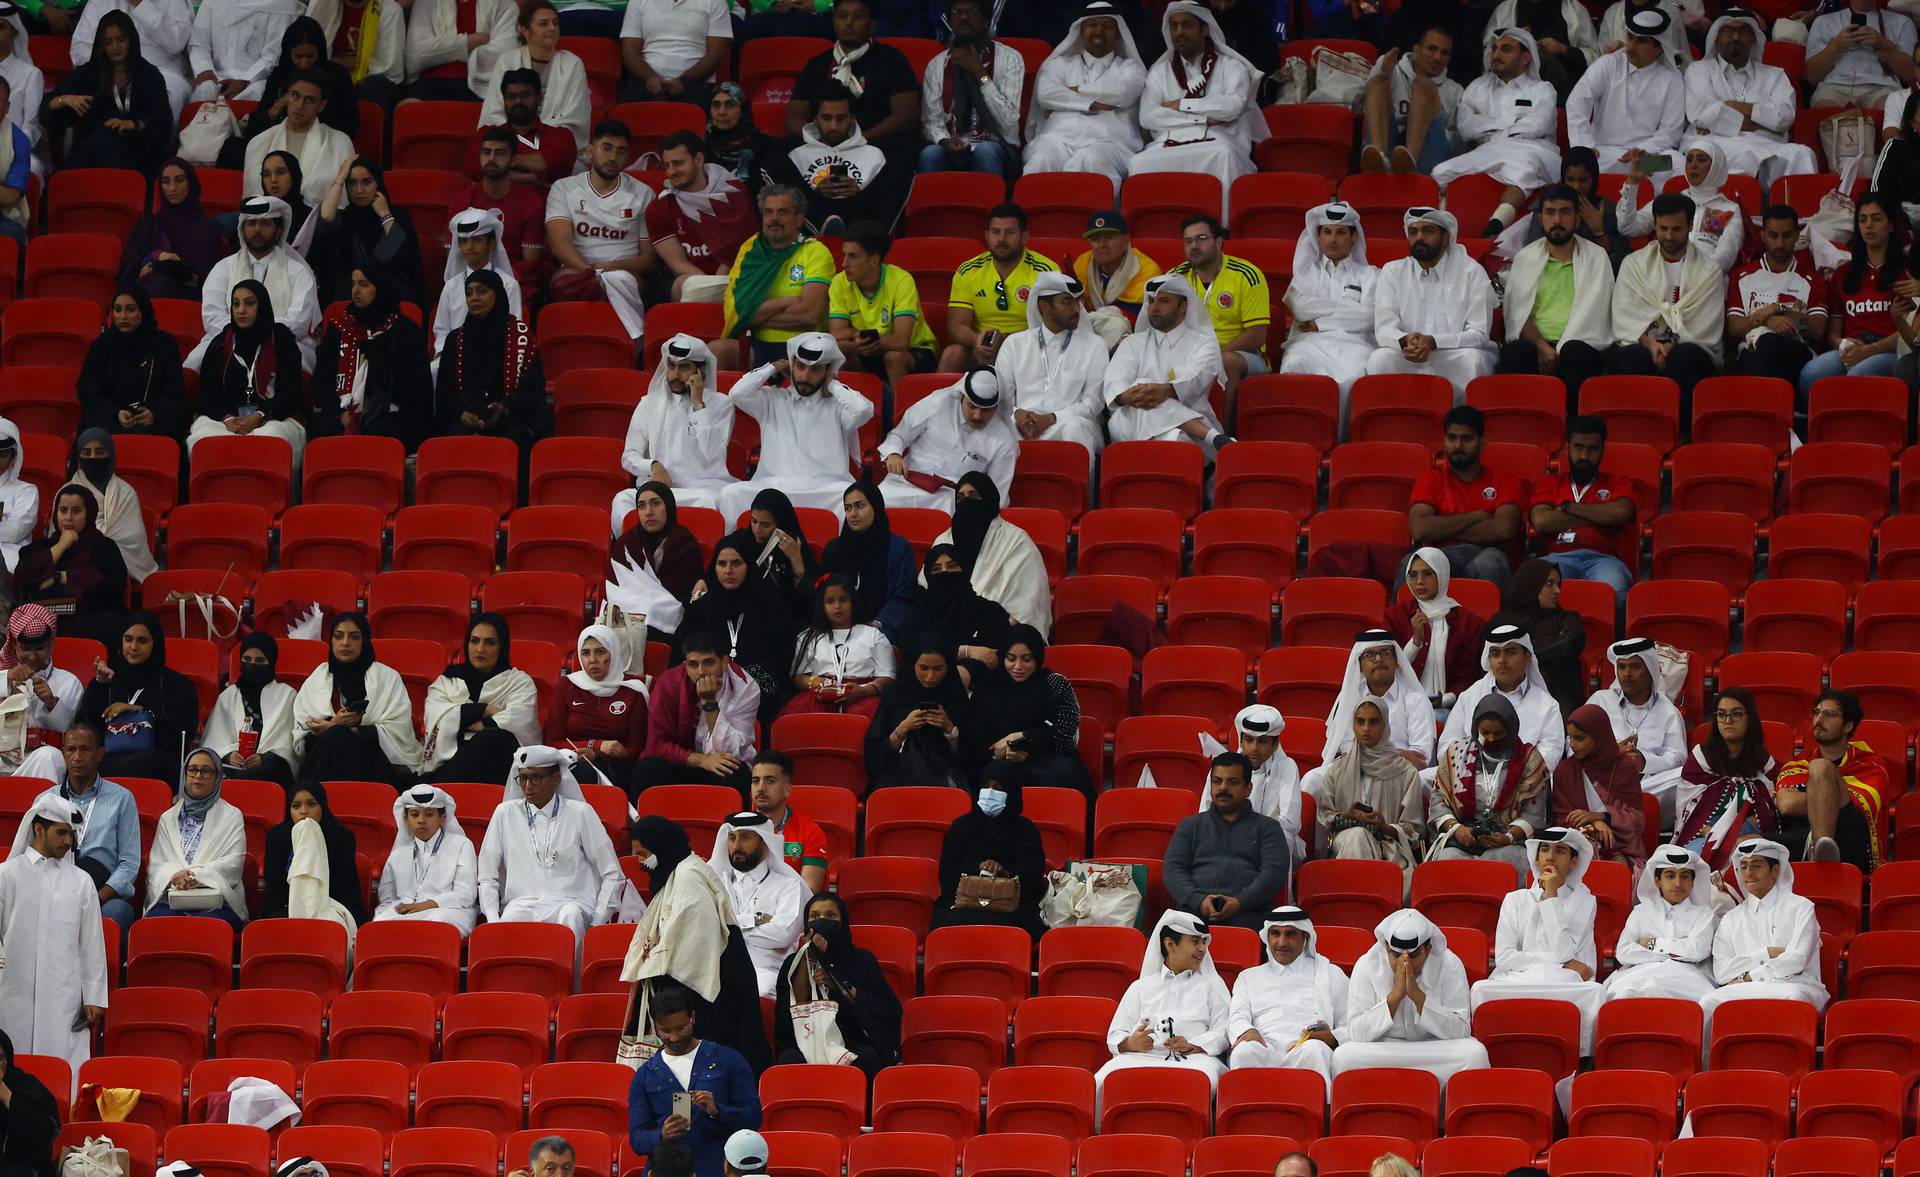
(1505,1102)
(1059,203)
(1853,1103)
(218,536)
(502,1027)
(1765,1035)
(587,1096)
(902,1154)
(1130,1154)
(1783,682)
(444,1152)
(1641,409)
(1382,199)
(1329,610)
(366,470)
(1382,528)
(1301,680)
(221,1150)
(382,1025)
(1207,681)
(1100,676)
(521,958)
(1475,1156)
(1155,203)
(826,749)
(1625,1103)
(1230,611)
(55,331)
(477,471)
(1809,615)
(73,265)
(1841,477)
(1089,961)
(1865,409)
(308,955)
(1888,683)
(1900,534)
(446,538)
(1353,1156)
(1295,408)
(1835,889)
(768,66)
(269,1023)
(1016,1154)
(1063,1031)
(1155,1102)
(1882,964)
(540,606)
(350,1152)
(1083,605)
(331,536)
(1826,1156)
(1870,1034)
(1715,1156)
(932,261)
(1273,1101)
(40,399)
(407,955)
(1053,475)
(433,606)
(1131,541)
(929,1098)
(1170,743)
(467,1094)
(1530,409)
(954,204)
(1164,475)
(1724,477)
(556,539)
(1385,1101)
(1317,139)
(956,1031)
(1748,410)
(1273,204)
(1347,892)
(897,891)
(159,1081)
(356,1093)
(1050,1101)
(1247,542)
(436,135)
(1136,823)
(582,335)
(911,821)
(599,402)
(1690,614)
(1279,475)
(698,809)
(1376,475)
(1593,1156)
(576,472)
(1715,546)
(190,952)
(94,201)
(1528,1033)
(1886,618)
(161,1021)
(1399,408)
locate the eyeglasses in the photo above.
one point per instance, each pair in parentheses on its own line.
(1377,656)
(1827,713)
(1000,295)
(1726,716)
(203,772)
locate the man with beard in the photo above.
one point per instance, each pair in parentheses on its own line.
(1831,804)
(1468,511)
(1376,674)
(520,203)
(950,433)
(1507,115)
(1115,276)
(543,152)
(803,843)
(263,256)
(1433,310)
(1285,1009)
(1633,103)
(1514,675)
(840,171)
(1084,99)
(1584,518)
(1745,106)
(884,85)
(1776,303)
(1665,326)
(595,223)
(1559,310)
(1331,297)
(768,897)
(777,288)
(679,431)
(1160,381)
(700,220)
(1054,373)
(1199,107)
(970,99)
(1276,778)
(988,299)
(809,426)
(1409,106)
(1227,863)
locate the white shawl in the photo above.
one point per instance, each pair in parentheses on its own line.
(229,715)
(389,710)
(510,690)
(1433,678)
(684,931)
(564,101)
(121,521)
(19,497)
(310,878)
(1640,298)
(1012,574)
(1591,321)
(216,863)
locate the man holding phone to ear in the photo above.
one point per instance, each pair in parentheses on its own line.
(694,1091)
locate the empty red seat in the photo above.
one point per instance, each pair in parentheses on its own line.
(269,1023)
(221,1150)
(576,472)
(1348,892)
(444,1152)
(1715,546)
(1356,525)
(191,952)
(583,335)
(1137,823)
(160,1021)
(1638,409)
(902,1154)
(1207,681)
(382,1025)
(1887,682)
(301,954)
(411,955)
(1461,893)
(825,749)
(1872,1034)
(1131,541)
(1385,1101)
(1869,409)
(501,1027)
(1826,1156)
(468,1094)
(1051,1101)
(1806,615)
(1840,477)
(586,1096)
(1169,743)
(1153,1101)
(1399,408)
(1764,1035)
(1600,1156)
(1724,477)
(54,331)
(1852,1103)
(1749,410)
(218,536)
(556,539)
(897,891)
(521,958)
(1528,1033)
(1051,474)
(242,469)
(478,471)
(955,1031)
(357,1093)
(1329,610)
(1505,1102)
(1690,614)
(1743,1103)
(1624,1103)
(1883,964)
(1276,475)
(1353,1156)
(350,1151)
(1083,606)
(809,1098)
(1063,1031)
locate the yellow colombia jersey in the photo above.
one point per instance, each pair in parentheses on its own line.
(997,305)
(897,295)
(1237,300)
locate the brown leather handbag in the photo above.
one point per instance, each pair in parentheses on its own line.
(995,893)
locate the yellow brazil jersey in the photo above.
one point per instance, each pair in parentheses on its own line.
(812,262)
(998,305)
(897,295)
(1237,300)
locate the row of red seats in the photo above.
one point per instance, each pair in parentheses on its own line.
(240,1150)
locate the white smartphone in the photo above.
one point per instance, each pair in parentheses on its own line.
(683,1105)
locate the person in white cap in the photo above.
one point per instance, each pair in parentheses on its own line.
(1513,673)
(54,986)
(1331,297)
(1276,778)
(478,244)
(431,873)
(1433,310)
(747,1154)
(1407,1005)
(263,257)
(1161,377)
(1507,114)
(1859,54)
(1567,333)
(1176,1015)
(1768,946)
(1633,103)
(1647,724)
(809,426)
(1543,946)
(1053,375)
(1743,105)
(1371,800)
(323,150)
(1666,948)
(1490,790)
(769,900)
(1199,107)
(952,432)
(1284,1010)
(679,431)
(1376,671)
(232,49)
(1084,98)
(546,858)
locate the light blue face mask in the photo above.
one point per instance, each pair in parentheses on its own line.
(993,802)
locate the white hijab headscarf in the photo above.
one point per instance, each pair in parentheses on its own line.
(1716,179)
(617,662)
(1433,679)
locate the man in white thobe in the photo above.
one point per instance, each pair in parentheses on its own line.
(1377,674)
(545,857)
(1543,946)
(1084,99)
(1161,377)
(1745,106)
(1276,778)
(53,988)
(1199,106)
(1647,724)
(1561,61)
(165,28)
(1053,375)
(809,426)
(1331,297)
(1511,670)
(1176,1014)
(1433,310)
(679,431)
(1285,1009)
(478,244)
(1634,102)
(769,900)
(1666,948)
(52,695)
(1768,946)
(1407,1004)
(264,257)
(952,432)
(1507,113)
(235,44)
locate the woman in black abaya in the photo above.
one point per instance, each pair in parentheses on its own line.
(993,838)
(750,614)
(828,967)
(952,614)
(922,733)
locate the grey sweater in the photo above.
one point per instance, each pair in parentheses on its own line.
(1246,858)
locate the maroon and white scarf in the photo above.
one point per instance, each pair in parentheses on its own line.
(1207,61)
